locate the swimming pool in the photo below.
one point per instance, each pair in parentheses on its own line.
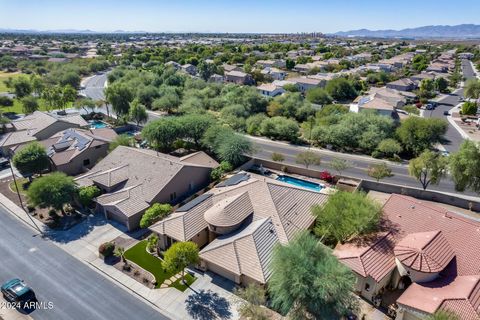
(300,183)
(97,124)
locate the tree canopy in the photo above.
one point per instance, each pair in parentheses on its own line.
(53,190)
(428,168)
(418,134)
(346,215)
(32,159)
(464,166)
(308,281)
(180,255)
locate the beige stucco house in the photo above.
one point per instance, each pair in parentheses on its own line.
(132,179)
(38,126)
(237,224)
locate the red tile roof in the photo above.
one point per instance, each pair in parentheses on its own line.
(407,218)
(424,251)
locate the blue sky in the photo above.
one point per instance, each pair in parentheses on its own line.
(234,16)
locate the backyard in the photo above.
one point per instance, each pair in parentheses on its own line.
(4,76)
(139,255)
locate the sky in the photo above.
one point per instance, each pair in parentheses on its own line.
(252,16)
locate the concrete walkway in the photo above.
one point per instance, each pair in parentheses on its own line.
(209,294)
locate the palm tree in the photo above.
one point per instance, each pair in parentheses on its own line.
(443,315)
(120,252)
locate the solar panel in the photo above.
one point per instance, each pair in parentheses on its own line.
(236,179)
(82,141)
(194,202)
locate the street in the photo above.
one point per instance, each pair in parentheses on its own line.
(76,291)
(453,137)
(264,148)
(94,87)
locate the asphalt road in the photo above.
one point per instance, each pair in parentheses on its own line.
(264,149)
(453,138)
(76,291)
(94,87)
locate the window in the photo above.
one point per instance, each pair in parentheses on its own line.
(173,196)
(367,287)
(86,162)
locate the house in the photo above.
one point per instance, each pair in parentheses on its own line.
(190,69)
(238,222)
(421,76)
(72,151)
(216,78)
(238,77)
(381,106)
(173,64)
(133,179)
(305,83)
(274,73)
(397,98)
(403,84)
(38,126)
(278,63)
(425,255)
(437,67)
(466,55)
(228,68)
(270,90)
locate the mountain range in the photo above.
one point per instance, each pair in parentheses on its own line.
(461,31)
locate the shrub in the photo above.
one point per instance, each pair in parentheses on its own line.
(156,212)
(326,176)
(219,171)
(106,249)
(469,108)
(86,195)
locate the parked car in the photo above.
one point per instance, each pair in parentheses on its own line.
(429,106)
(446,113)
(4,163)
(16,291)
(461,99)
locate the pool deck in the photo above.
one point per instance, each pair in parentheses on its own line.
(326,187)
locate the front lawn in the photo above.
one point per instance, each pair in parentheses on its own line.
(17,106)
(180,286)
(139,255)
(22,184)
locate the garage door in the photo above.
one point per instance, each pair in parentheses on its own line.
(221,272)
(117,217)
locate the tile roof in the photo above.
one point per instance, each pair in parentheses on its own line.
(230,211)
(133,167)
(424,251)
(247,251)
(286,206)
(449,233)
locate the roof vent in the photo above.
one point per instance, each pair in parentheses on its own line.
(412,207)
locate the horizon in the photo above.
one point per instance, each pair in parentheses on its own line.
(249,17)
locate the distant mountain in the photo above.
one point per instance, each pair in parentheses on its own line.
(462,31)
(73,31)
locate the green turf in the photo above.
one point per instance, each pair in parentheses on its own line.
(17,106)
(142,258)
(4,76)
(180,286)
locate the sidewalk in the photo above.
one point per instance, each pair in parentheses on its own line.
(82,242)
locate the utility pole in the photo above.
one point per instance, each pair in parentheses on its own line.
(20,198)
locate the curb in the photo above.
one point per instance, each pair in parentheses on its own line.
(455,125)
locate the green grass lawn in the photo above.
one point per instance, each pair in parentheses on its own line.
(22,183)
(141,257)
(180,286)
(17,106)
(4,76)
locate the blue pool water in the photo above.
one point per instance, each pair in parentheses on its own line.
(97,124)
(300,183)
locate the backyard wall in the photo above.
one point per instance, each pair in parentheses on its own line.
(367,185)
